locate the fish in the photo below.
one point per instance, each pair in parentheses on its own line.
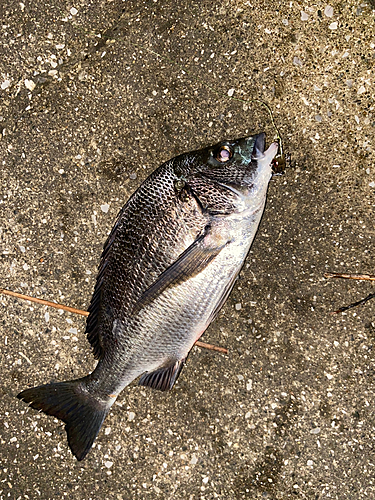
(167,267)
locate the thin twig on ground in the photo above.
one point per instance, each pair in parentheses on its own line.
(355,304)
(349,276)
(73,310)
(364,277)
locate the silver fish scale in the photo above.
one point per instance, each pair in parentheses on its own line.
(152,230)
(155,227)
(213,196)
(166,330)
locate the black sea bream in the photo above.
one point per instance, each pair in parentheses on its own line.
(167,267)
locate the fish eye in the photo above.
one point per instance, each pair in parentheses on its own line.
(224,153)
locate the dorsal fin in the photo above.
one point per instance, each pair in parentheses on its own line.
(93,323)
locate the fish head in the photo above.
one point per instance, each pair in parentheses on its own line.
(232,176)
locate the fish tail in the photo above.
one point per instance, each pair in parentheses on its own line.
(71,402)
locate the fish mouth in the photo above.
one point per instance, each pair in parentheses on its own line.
(259,145)
(254,145)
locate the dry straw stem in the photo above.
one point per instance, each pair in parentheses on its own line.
(365,277)
(85,313)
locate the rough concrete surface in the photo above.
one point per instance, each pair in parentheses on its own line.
(86,113)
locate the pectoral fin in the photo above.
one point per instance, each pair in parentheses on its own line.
(190,263)
(163,378)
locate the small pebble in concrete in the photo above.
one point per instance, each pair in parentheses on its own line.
(5,84)
(328,11)
(30,85)
(316,430)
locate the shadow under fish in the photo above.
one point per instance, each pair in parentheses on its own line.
(167,268)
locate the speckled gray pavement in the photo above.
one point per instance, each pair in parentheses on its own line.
(86,113)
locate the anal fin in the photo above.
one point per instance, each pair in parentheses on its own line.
(163,378)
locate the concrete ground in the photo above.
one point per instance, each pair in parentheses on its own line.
(86,113)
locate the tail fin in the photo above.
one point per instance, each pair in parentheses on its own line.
(73,404)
